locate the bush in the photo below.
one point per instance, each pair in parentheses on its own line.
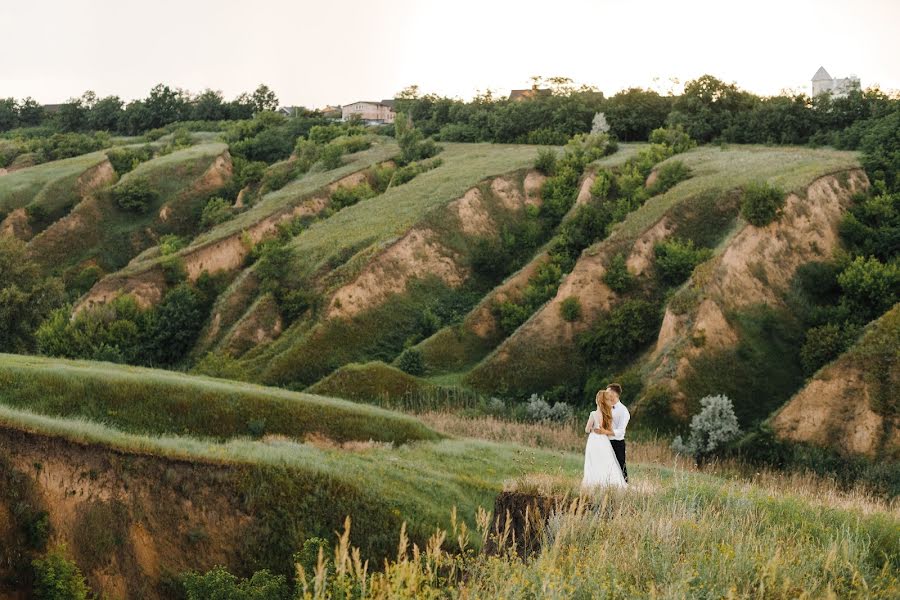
(625,330)
(570,309)
(675,138)
(870,287)
(668,175)
(546,161)
(872,226)
(537,409)
(617,276)
(217,210)
(762,203)
(57,578)
(412,362)
(124,160)
(711,429)
(348,196)
(654,410)
(219,584)
(331,156)
(823,344)
(136,195)
(675,260)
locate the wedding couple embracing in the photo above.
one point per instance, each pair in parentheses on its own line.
(604,455)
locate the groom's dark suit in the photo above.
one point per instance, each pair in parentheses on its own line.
(620,418)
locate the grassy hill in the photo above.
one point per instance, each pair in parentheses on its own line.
(98,231)
(157,402)
(852,404)
(704,211)
(177,503)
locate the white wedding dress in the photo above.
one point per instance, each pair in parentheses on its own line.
(600,465)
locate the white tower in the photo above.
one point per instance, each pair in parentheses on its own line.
(821,82)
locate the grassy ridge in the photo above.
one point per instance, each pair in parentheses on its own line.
(20,188)
(297,490)
(157,402)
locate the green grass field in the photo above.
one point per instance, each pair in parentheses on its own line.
(21,188)
(157,402)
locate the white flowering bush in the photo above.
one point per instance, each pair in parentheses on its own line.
(711,429)
(538,409)
(599,124)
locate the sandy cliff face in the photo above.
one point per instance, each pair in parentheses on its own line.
(755,267)
(853,404)
(128,520)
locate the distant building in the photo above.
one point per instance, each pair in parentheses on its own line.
(373,113)
(292,111)
(823,83)
(51,109)
(332,111)
(533,92)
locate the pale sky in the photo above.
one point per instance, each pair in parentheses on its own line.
(337,52)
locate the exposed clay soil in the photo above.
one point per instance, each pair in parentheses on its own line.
(164,516)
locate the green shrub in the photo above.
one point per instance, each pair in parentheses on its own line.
(546,161)
(511,315)
(217,210)
(174,271)
(823,344)
(676,259)
(136,195)
(85,279)
(219,584)
(411,362)
(570,309)
(617,336)
(668,175)
(675,138)
(331,156)
(348,196)
(653,411)
(872,226)
(617,276)
(57,578)
(762,203)
(170,244)
(124,160)
(869,287)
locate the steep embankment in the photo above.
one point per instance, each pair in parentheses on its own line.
(853,404)
(33,198)
(97,230)
(372,304)
(410,242)
(460,346)
(224,249)
(734,306)
(544,352)
(136,511)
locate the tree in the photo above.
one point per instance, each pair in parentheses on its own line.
(26,298)
(634,113)
(166,105)
(175,324)
(870,287)
(72,115)
(707,107)
(106,114)
(30,113)
(9,114)
(264,99)
(210,106)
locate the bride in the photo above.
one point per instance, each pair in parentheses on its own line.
(600,464)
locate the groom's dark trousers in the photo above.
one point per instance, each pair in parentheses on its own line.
(619,448)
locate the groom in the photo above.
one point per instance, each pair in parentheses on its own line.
(620,418)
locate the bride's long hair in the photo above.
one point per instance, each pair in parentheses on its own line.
(604,408)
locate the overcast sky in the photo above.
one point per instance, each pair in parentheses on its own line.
(336,52)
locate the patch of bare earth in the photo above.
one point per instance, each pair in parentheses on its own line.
(833,411)
(756,267)
(172,516)
(16,224)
